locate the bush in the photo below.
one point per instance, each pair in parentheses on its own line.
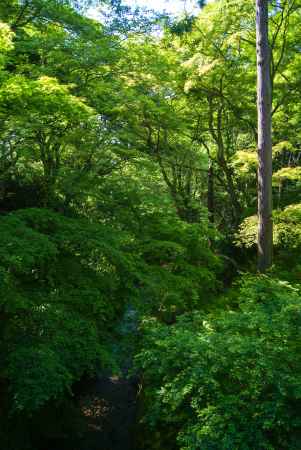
(180,269)
(63,284)
(228,381)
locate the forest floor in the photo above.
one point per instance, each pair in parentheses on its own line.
(108,406)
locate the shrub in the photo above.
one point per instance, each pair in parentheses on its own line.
(63,283)
(228,381)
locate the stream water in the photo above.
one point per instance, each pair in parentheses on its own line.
(109,403)
(106,407)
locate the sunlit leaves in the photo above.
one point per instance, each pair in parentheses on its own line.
(6,44)
(287,229)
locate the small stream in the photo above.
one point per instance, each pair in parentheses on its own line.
(109,406)
(106,407)
(109,403)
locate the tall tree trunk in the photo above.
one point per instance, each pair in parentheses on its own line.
(264,102)
(210,194)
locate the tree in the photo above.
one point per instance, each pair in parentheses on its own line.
(265,204)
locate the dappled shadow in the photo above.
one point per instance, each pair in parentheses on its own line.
(108,408)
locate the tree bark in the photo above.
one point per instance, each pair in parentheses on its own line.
(264,102)
(210,194)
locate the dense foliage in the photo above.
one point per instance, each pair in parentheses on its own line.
(229,379)
(128,180)
(57,301)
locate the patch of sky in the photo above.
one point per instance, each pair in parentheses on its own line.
(175,7)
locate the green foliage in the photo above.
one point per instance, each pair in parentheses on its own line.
(181,267)
(44,99)
(287,228)
(113,146)
(287,173)
(5,42)
(60,293)
(65,282)
(176,264)
(231,380)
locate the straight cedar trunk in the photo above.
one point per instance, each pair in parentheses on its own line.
(264,102)
(210,195)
